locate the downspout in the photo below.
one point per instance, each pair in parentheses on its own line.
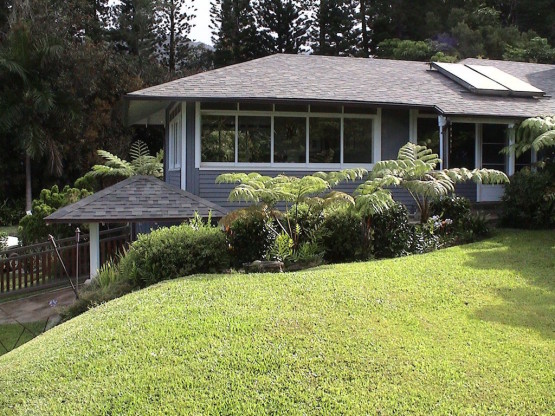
(442,123)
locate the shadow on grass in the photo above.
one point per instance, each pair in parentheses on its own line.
(530,255)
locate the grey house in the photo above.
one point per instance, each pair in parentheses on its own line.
(296,114)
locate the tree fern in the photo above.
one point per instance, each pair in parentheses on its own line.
(414,170)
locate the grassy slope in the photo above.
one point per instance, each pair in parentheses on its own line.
(468,330)
(14,335)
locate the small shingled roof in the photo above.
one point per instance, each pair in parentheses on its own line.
(139,198)
(357,80)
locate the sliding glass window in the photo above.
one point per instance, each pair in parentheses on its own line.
(325,140)
(254,139)
(357,140)
(218,139)
(280,135)
(289,139)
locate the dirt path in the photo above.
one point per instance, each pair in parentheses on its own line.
(37,307)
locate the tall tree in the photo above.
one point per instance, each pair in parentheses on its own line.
(28,100)
(283,24)
(234,32)
(333,31)
(134,28)
(173,26)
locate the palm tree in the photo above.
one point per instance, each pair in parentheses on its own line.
(28,99)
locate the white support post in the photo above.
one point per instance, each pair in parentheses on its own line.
(512,156)
(442,123)
(94,247)
(413,126)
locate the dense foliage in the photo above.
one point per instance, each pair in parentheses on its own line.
(173,252)
(33,228)
(529,200)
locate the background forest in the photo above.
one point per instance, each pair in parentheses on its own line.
(66,65)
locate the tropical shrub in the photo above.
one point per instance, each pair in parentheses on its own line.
(33,228)
(529,200)
(173,252)
(303,199)
(342,236)
(414,170)
(250,234)
(391,232)
(454,208)
(142,163)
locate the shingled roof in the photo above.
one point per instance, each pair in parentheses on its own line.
(357,80)
(139,198)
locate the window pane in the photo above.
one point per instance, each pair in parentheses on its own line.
(428,134)
(523,160)
(359,109)
(325,140)
(218,139)
(218,106)
(325,108)
(254,139)
(462,146)
(289,139)
(255,107)
(357,140)
(494,139)
(296,108)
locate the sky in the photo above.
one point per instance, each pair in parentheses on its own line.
(201,31)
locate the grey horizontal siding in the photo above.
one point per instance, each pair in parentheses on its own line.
(173,177)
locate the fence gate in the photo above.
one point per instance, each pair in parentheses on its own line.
(38,266)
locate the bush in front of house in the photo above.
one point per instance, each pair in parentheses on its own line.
(342,236)
(249,233)
(391,232)
(173,252)
(529,200)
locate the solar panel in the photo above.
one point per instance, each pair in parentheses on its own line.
(515,85)
(470,78)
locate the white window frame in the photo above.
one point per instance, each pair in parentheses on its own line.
(306,166)
(175,139)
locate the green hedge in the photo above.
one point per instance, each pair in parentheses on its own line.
(173,252)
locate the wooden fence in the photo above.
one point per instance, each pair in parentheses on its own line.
(38,265)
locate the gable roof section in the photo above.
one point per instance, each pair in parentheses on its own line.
(139,198)
(357,80)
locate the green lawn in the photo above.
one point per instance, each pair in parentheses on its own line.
(467,330)
(14,335)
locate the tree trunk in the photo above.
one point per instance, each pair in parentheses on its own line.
(365,52)
(28,194)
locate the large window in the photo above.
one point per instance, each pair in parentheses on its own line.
(289,139)
(357,140)
(325,140)
(218,138)
(285,135)
(254,137)
(462,145)
(494,139)
(428,133)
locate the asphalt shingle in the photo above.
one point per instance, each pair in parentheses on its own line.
(358,80)
(139,198)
